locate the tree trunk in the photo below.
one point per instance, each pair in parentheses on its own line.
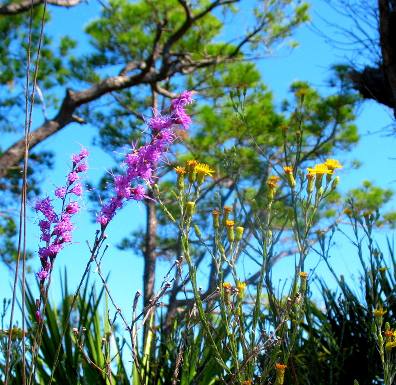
(149,254)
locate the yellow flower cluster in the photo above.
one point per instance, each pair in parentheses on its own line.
(196,172)
(319,170)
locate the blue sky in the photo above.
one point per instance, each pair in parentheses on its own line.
(310,62)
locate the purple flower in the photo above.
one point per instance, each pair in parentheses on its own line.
(76,158)
(42,274)
(72,177)
(60,192)
(138,192)
(72,208)
(64,225)
(77,189)
(159,122)
(45,207)
(81,167)
(38,317)
(142,163)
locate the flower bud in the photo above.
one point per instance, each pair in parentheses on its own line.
(215,215)
(239,233)
(335,183)
(230,230)
(190,209)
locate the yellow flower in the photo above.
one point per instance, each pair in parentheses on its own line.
(229,223)
(289,176)
(202,170)
(180,170)
(241,286)
(239,233)
(227,209)
(288,170)
(320,169)
(303,274)
(191,164)
(332,164)
(379,312)
(227,286)
(272,181)
(280,374)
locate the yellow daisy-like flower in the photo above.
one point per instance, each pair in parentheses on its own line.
(320,169)
(272,181)
(332,164)
(229,223)
(288,170)
(192,163)
(180,170)
(227,209)
(303,274)
(380,312)
(203,169)
(227,286)
(241,286)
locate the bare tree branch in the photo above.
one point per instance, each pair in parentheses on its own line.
(23,6)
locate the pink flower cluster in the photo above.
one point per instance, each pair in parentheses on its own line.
(141,163)
(56,229)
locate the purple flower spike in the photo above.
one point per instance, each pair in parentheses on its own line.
(56,229)
(141,163)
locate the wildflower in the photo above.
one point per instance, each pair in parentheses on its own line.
(72,177)
(180,170)
(72,208)
(319,170)
(141,163)
(76,158)
(190,167)
(77,189)
(227,286)
(335,183)
(310,184)
(280,373)
(202,170)
(215,215)
(379,312)
(190,209)
(226,213)
(303,281)
(138,193)
(241,286)
(42,274)
(56,229)
(60,192)
(178,114)
(230,230)
(239,233)
(289,176)
(81,167)
(382,269)
(272,183)
(332,164)
(38,317)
